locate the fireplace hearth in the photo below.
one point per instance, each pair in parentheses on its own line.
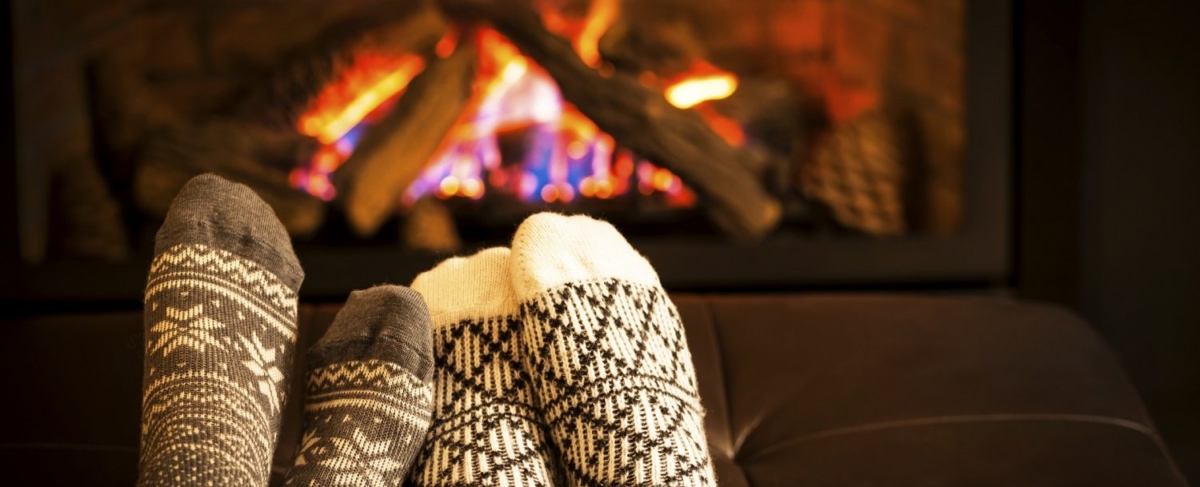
(739,144)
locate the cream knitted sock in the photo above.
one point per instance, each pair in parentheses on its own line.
(369,393)
(608,356)
(485,430)
(220,329)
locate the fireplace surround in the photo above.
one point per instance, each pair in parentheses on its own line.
(66,125)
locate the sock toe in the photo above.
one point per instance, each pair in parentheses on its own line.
(387,323)
(469,287)
(219,213)
(551,249)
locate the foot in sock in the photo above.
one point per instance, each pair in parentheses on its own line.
(609,359)
(220,329)
(485,430)
(369,393)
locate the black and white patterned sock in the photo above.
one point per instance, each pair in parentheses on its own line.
(608,356)
(369,393)
(485,430)
(220,329)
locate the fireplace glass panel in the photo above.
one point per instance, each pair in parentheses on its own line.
(367,123)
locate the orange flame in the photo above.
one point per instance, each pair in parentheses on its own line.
(584,33)
(703,82)
(600,17)
(449,42)
(511,92)
(698,90)
(371,81)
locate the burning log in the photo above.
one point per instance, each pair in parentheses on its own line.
(244,152)
(640,118)
(429,225)
(86,218)
(280,101)
(396,150)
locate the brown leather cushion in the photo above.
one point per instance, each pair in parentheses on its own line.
(800,390)
(889,390)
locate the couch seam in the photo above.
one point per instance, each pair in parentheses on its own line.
(964,419)
(722,376)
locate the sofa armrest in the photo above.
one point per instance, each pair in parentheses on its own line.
(899,390)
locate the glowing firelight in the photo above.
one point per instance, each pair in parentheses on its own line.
(599,18)
(566,156)
(343,105)
(694,91)
(335,119)
(585,32)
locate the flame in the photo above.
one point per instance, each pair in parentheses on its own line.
(449,42)
(600,17)
(724,126)
(703,82)
(363,93)
(371,81)
(584,33)
(698,90)
(566,155)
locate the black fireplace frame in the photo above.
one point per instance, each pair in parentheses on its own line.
(979,255)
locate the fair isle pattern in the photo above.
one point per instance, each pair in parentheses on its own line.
(201,260)
(220,333)
(485,431)
(616,385)
(364,421)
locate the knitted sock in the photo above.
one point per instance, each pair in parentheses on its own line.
(220,328)
(369,393)
(485,430)
(611,367)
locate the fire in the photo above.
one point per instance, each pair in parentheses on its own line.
(342,105)
(564,157)
(585,33)
(338,117)
(568,156)
(600,17)
(698,90)
(703,82)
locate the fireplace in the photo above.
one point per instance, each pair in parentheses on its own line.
(740,144)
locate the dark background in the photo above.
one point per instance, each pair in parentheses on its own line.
(1107,149)
(1108,164)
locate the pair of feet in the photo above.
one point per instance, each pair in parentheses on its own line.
(558,362)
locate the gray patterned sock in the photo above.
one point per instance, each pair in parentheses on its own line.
(369,394)
(220,328)
(608,356)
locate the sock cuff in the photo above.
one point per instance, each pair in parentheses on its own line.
(468,287)
(551,249)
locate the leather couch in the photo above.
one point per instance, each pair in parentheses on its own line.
(801,390)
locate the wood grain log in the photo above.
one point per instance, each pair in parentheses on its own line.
(726,178)
(395,151)
(429,225)
(280,100)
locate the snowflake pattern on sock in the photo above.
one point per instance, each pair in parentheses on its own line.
(218,330)
(364,421)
